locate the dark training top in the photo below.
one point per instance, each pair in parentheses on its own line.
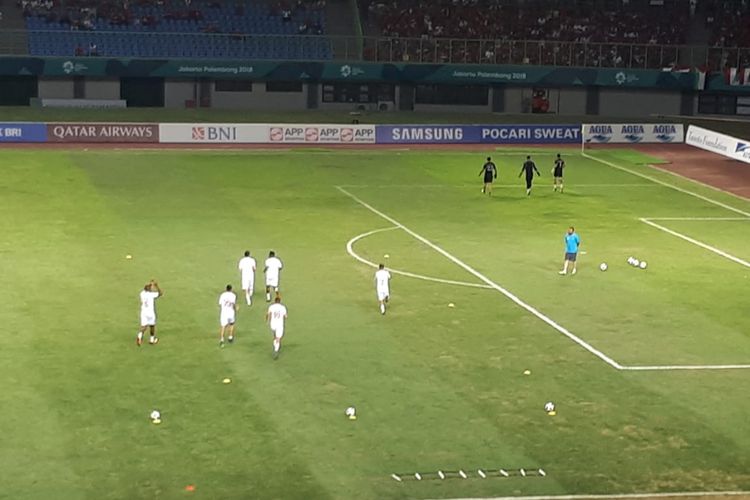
(490,171)
(529,168)
(559,166)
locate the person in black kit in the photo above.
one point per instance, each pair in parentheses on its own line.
(557,173)
(490,174)
(529,167)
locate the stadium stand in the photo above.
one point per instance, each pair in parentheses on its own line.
(190,29)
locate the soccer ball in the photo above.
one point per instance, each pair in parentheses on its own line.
(549,406)
(643,264)
(351,412)
(636,262)
(630,260)
(155,415)
(603,266)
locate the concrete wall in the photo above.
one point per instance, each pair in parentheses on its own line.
(572,101)
(176,92)
(259,98)
(55,88)
(633,103)
(101,89)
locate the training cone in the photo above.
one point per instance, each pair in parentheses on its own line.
(552,413)
(227,381)
(156,421)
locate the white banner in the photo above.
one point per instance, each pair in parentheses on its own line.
(264,133)
(321,134)
(633,133)
(212,133)
(721,144)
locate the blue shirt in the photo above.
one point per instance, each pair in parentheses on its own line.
(571,243)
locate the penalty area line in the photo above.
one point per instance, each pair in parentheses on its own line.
(546,319)
(696,242)
(350,251)
(624,496)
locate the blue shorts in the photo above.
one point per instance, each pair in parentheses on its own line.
(571,256)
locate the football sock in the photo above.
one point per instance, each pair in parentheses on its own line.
(561,188)
(139,336)
(268,297)
(382,308)
(565,267)
(276,345)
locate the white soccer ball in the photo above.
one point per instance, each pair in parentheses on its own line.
(636,262)
(549,406)
(643,264)
(603,266)
(155,415)
(630,260)
(351,411)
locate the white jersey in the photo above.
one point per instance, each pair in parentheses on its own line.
(147,302)
(273,266)
(246,267)
(227,301)
(276,316)
(382,279)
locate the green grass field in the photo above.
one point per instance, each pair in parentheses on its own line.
(436,388)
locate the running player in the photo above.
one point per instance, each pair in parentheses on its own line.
(149,294)
(490,174)
(572,242)
(382,286)
(529,167)
(247,275)
(557,173)
(276,316)
(227,309)
(272,269)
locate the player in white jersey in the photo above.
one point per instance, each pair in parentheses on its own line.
(227,310)
(382,286)
(276,316)
(272,269)
(247,275)
(148,295)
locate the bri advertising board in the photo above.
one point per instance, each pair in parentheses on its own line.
(478,134)
(725,145)
(23,132)
(633,133)
(264,133)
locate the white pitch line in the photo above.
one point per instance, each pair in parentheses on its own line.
(657,368)
(625,496)
(350,251)
(672,186)
(599,354)
(696,242)
(746,219)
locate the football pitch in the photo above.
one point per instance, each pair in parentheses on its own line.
(648,369)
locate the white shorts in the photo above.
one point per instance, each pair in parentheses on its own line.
(148,319)
(226,319)
(383,294)
(272,281)
(278,332)
(248,283)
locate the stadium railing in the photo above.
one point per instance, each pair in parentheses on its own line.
(375,49)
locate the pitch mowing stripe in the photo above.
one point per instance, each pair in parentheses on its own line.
(625,496)
(671,186)
(599,354)
(696,242)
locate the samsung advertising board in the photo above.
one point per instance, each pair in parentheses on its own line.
(478,134)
